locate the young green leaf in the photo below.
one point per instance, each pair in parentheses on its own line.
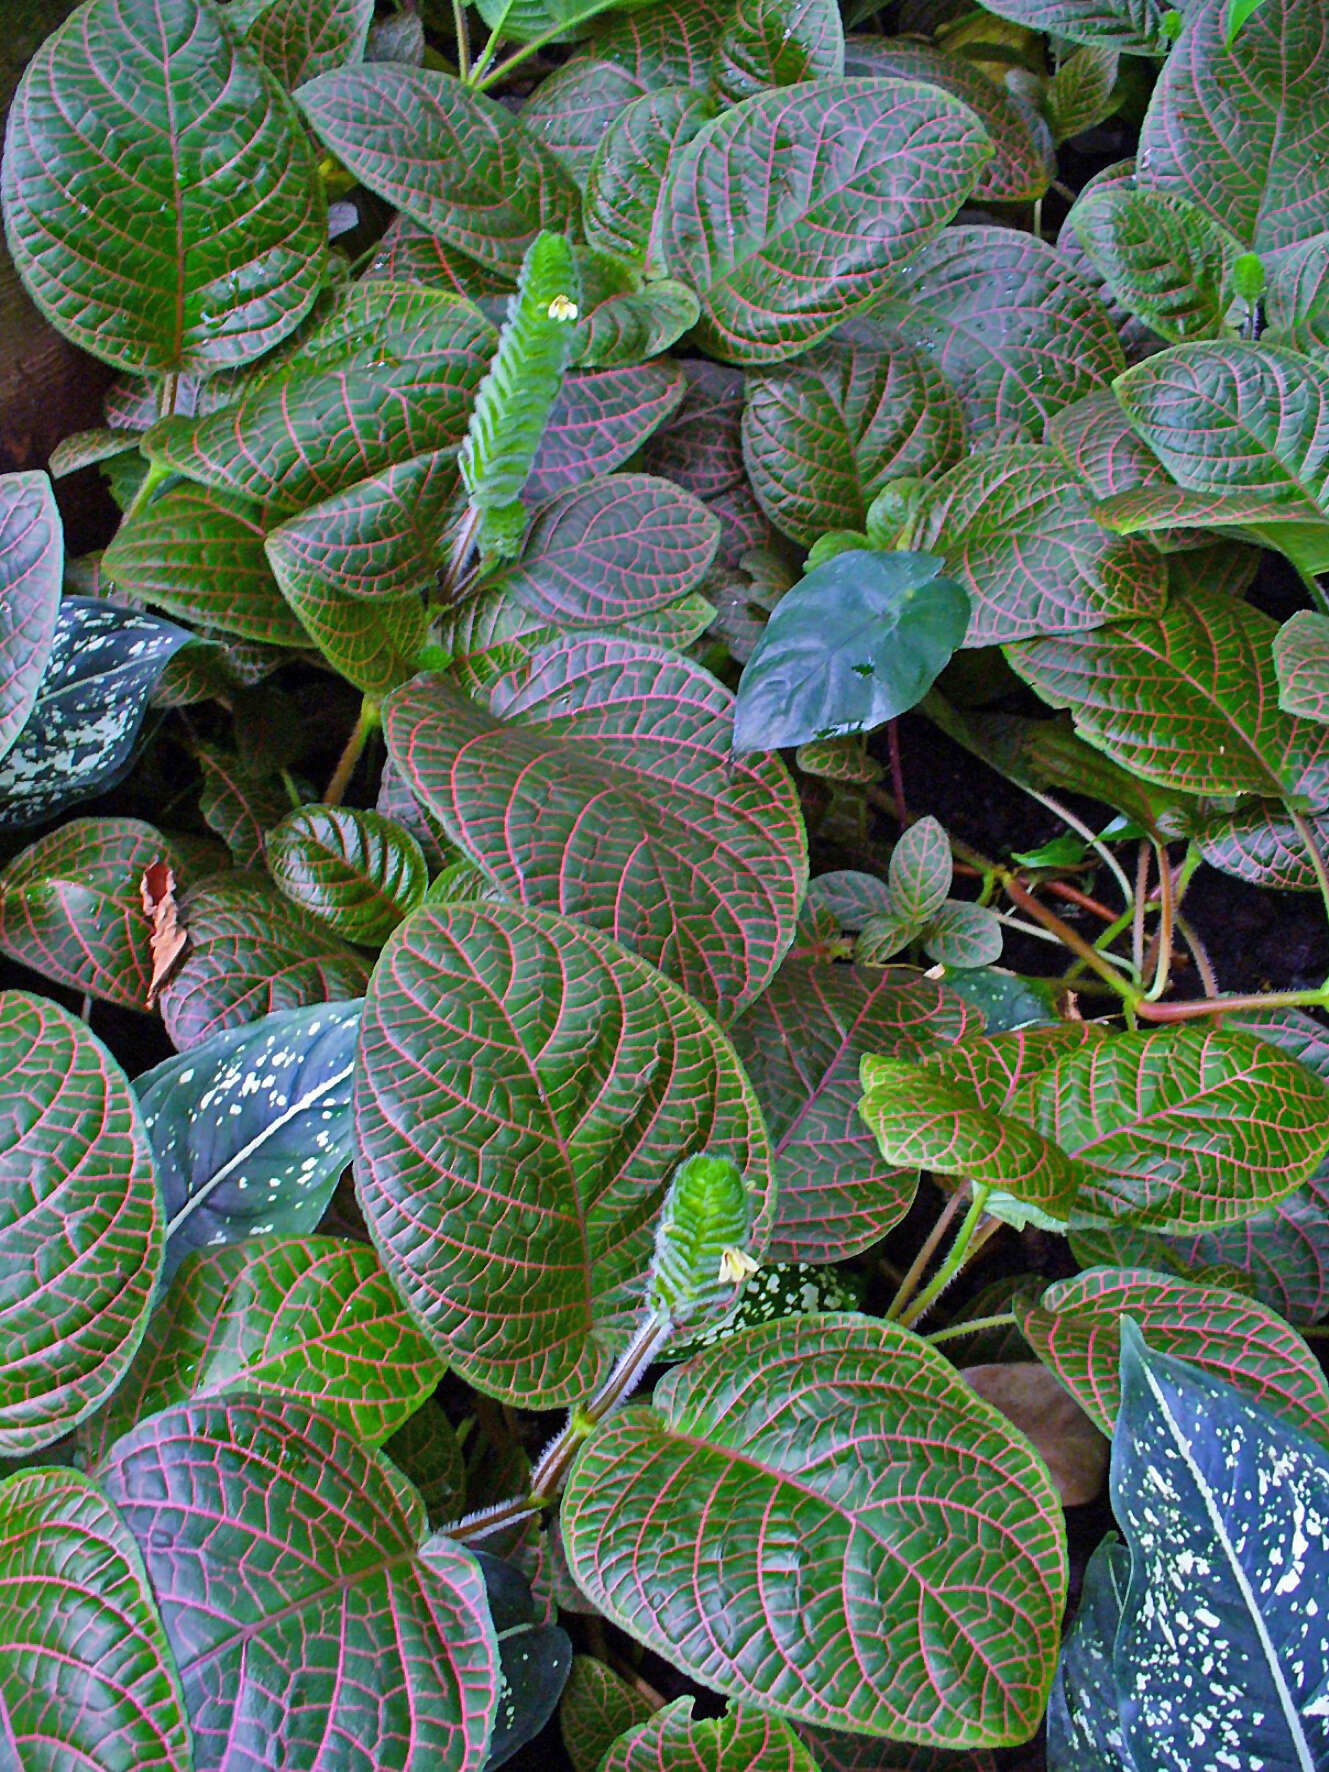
(743,1740)
(920,870)
(1082,93)
(31,565)
(861,639)
(964,935)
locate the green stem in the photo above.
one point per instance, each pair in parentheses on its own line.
(157,472)
(490,50)
(905,1290)
(953,1331)
(1167,914)
(365,726)
(1082,830)
(536,43)
(463,36)
(956,1257)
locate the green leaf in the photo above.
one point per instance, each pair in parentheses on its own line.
(526,1088)
(923,1120)
(777,1290)
(823,435)
(31,567)
(251,953)
(1259,843)
(602,417)
(71,908)
(300,39)
(829,1442)
(298,1316)
(397,367)
(598,783)
(700,447)
(626,181)
(1010,325)
(743,1740)
(1189,700)
(993,1065)
(778,43)
(598,1706)
(1081,94)
(851,898)
(856,642)
(240,804)
(868,171)
(80,1225)
(170,219)
(355,871)
(572,109)
(1214,1495)
(287,1557)
(801,1043)
(1094,438)
(428,1453)
(614,549)
(1301,659)
(453,160)
(372,643)
(197,552)
(1185,1129)
(91,1683)
(630,325)
(408,253)
(1135,27)
(1163,258)
(670,43)
(1021,163)
(1083,1722)
(79,738)
(1253,162)
(966,935)
(883,936)
(1238,11)
(1019,534)
(1075,1329)
(920,870)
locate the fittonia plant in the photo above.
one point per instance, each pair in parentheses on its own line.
(673,384)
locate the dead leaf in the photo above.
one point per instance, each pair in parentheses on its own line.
(1038,1403)
(169,937)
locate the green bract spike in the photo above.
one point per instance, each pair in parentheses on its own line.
(517,395)
(700,1255)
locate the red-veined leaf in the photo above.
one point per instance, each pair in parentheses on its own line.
(300,39)
(1301,659)
(354,870)
(700,446)
(31,566)
(626,183)
(240,804)
(743,1740)
(597,1707)
(778,43)
(601,417)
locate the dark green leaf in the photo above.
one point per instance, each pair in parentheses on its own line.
(743,1740)
(80,1223)
(1081,94)
(91,1683)
(287,1557)
(625,185)
(299,39)
(602,417)
(427,1451)
(920,870)
(170,218)
(570,112)
(597,1707)
(534,1659)
(453,160)
(856,642)
(240,805)
(850,897)
(355,871)
(79,738)
(526,1089)
(942,1623)
(630,325)
(1162,257)
(31,567)
(701,446)
(408,253)
(1136,27)
(670,43)
(1083,1722)
(788,212)
(1094,437)
(1301,659)
(964,935)
(778,43)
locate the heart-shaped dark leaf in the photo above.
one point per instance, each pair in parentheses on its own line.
(778,43)
(599,784)
(787,212)
(93,1683)
(252,1127)
(602,417)
(197,552)
(1075,1329)
(1161,256)
(616,548)
(79,738)
(859,640)
(525,1090)
(821,436)
(1018,532)
(32,556)
(356,871)
(123,231)
(71,907)
(1136,27)
(597,1707)
(398,367)
(626,182)
(287,1557)
(300,39)
(801,1043)
(308,1316)
(1008,323)
(1185,1128)
(743,1740)
(251,952)
(1301,659)
(1021,164)
(453,160)
(534,1658)
(829,1446)
(80,1224)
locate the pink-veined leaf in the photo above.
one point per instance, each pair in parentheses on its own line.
(1162,258)
(408,253)
(801,1043)
(1136,27)
(31,566)
(1093,437)
(90,1684)
(356,871)
(288,1557)
(601,417)
(300,39)
(627,181)
(778,43)
(597,1707)
(964,935)
(239,804)
(571,110)
(743,1740)
(668,43)
(1258,842)
(700,445)
(994,1065)
(80,1223)
(920,870)
(598,783)
(857,1539)
(524,1094)
(1301,659)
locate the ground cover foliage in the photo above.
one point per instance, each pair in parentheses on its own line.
(553,445)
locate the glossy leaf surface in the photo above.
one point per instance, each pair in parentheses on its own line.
(599,785)
(869,171)
(300,39)
(1161,256)
(601,418)
(778,43)
(251,1128)
(525,1090)
(124,235)
(75,1154)
(283,1552)
(801,1043)
(743,1740)
(310,1317)
(839,1442)
(91,1682)
(626,183)
(356,871)
(31,564)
